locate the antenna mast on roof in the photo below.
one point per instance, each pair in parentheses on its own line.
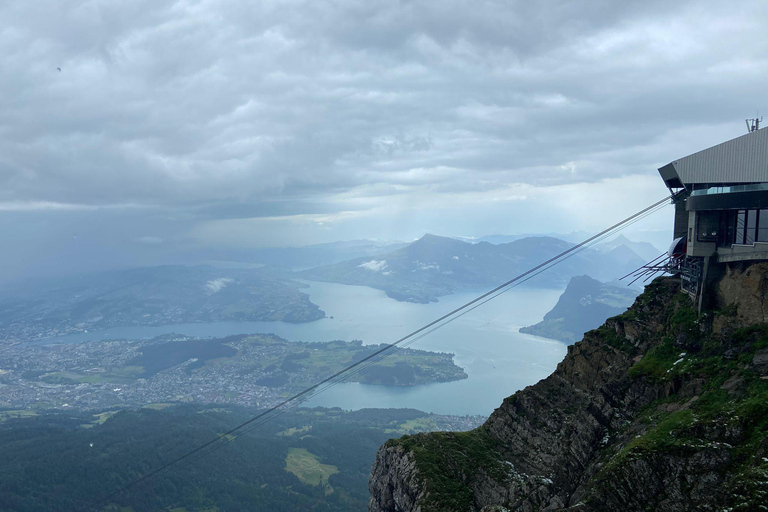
(753,124)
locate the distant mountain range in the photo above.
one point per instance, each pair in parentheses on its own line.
(575,237)
(643,249)
(421,271)
(434,266)
(311,256)
(585,305)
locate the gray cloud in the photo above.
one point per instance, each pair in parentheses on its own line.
(201,111)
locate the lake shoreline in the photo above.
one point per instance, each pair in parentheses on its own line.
(497,359)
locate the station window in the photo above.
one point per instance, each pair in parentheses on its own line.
(744,227)
(751,234)
(741,226)
(762,226)
(707,226)
(728,228)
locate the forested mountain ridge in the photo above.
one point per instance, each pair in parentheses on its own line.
(657,409)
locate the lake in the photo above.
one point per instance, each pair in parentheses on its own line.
(498,359)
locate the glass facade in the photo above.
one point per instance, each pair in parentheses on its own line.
(741,222)
(706,190)
(732,227)
(751,233)
(762,230)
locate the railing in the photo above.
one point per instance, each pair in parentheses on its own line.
(690,275)
(729,189)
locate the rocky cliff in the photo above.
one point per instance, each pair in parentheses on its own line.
(658,409)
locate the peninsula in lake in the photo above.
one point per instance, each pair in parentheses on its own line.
(253,370)
(584,305)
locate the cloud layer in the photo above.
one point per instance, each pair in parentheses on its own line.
(311,113)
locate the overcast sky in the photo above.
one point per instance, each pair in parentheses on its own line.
(176,125)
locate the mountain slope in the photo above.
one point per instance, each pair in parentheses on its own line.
(321,254)
(655,410)
(643,249)
(150,296)
(434,266)
(584,305)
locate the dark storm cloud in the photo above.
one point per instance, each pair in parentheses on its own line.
(208,110)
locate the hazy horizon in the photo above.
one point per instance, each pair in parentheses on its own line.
(54,270)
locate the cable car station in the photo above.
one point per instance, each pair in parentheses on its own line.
(721,209)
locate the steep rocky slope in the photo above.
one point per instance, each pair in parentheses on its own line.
(655,410)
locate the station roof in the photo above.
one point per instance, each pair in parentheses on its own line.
(740,160)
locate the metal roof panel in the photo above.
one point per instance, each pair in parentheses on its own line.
(740,160)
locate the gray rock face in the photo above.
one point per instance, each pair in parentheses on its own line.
(398,486)
(638,416)
(744,288)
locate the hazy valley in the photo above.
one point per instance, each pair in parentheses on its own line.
(68,375)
